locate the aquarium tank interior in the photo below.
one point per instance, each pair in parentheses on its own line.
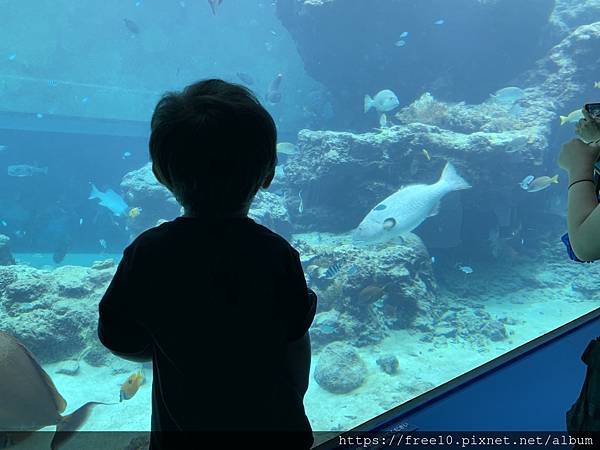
(417,177)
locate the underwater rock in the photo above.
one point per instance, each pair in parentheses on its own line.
(69,367)
(142,190)
(326,328)
(6,257)
(340,369)
(467,323)
(389,364)
(400,273)
(100,277)
(54,313)
(566,75)
(106,264)
(97,356)
(27,287)
(69,282)
(270,210)
(494,330)
(469,65)
(570,14)
(343,175)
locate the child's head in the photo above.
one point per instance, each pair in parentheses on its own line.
(213,146)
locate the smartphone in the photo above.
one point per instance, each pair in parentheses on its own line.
(593,109)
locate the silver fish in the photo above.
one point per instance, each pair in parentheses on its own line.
(25,170)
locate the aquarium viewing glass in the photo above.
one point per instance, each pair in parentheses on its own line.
(417,177)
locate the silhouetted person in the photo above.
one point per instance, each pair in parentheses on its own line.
(218,302)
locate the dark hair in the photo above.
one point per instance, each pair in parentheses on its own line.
(212,145)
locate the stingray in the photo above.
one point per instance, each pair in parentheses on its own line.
(29,400)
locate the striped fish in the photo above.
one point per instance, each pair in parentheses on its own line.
(333,270)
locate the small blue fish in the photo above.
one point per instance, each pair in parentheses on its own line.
(126,155)
(103,244)
(404,34)
(4,224)
(433,260)
(400,43)
(465,269)
(39,115)
(81,221)
(526,181)
(12,56)
(333,270)
(439,22)
(85,99)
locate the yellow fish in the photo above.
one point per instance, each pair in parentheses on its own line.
(131,385)
(573,116)
(597,84)
(134,212)
(426,154)
(541,183)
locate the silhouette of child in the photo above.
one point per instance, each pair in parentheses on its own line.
(216,301)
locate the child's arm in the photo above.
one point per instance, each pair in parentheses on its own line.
(301,306)
(118,327)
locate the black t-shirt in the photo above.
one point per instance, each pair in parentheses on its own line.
(214,303)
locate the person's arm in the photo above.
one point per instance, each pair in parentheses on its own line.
(298,357)
(583,215)
(118,327)
(300,308)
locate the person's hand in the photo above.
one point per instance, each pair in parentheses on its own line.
(577,156)
(587,128)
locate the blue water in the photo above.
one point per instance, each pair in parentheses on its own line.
(479,85)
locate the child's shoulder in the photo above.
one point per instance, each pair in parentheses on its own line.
(272,238)
(152,234)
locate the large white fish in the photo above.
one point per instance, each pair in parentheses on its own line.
(407,208)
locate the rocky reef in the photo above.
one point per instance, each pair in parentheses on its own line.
(365,293)
(142,190)
(341,176)
(462,49)
(570,14)
(55,313)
